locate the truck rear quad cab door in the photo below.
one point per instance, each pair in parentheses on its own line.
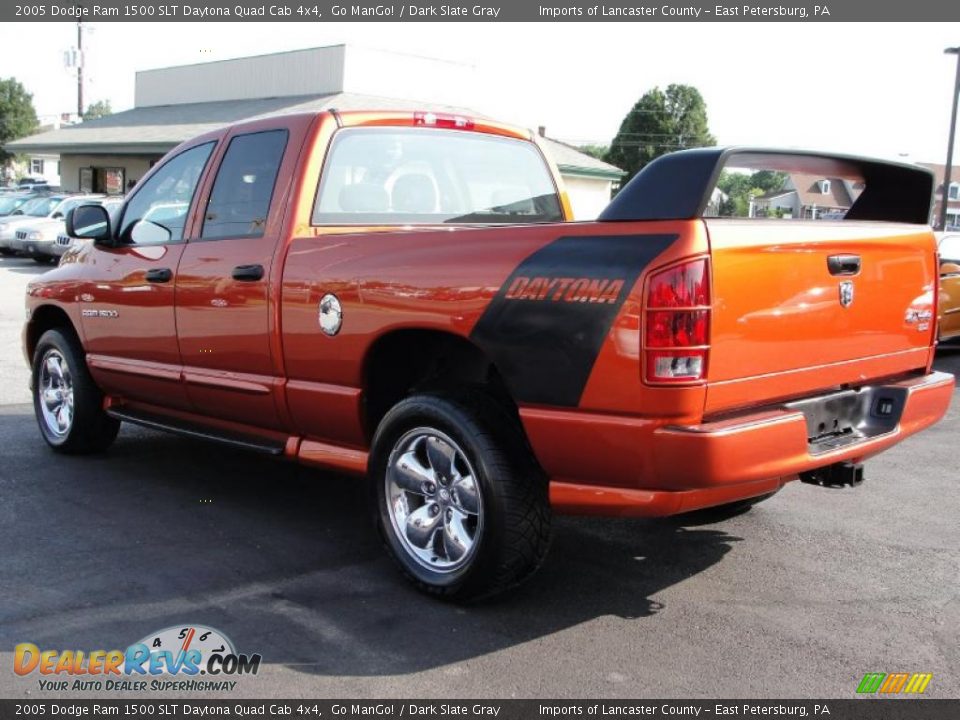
(223,306)
(127,303)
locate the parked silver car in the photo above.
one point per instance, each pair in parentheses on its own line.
(37,223)
(64,242)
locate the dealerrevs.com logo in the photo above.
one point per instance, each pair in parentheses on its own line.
(182,658)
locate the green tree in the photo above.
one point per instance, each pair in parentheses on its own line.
(741,188)
(595,150)
(768,180)
(99,109)
(17,116)
(660,122)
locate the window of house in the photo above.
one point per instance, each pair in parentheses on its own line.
(241,195)
(954,192)
(825,187)
(408,176)
(36,166)
(157,212)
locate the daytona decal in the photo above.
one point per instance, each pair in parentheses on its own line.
(565,289)
(546,325)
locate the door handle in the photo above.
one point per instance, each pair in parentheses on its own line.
(159,275)
(843,264)
(248,273)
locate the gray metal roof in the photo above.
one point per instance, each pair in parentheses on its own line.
(157,129)
(574,162)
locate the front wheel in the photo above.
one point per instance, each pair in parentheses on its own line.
(460,503)
(67,403)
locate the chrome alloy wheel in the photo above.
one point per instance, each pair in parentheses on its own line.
(434,500)
(55,390)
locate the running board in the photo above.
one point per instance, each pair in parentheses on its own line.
(156,422)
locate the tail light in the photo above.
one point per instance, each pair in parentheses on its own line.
(676,334)
(441,120)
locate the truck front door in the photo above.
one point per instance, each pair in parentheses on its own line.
(127,301)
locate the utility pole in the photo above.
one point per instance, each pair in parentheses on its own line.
(79,69)
(942,220)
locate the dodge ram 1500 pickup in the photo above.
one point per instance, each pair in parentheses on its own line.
(403,297)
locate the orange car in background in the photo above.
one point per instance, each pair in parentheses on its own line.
(402,296)
(949,307)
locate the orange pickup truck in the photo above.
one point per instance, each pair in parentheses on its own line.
(403,297)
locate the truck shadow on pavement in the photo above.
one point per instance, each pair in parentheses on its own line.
(24,266)
(164,531)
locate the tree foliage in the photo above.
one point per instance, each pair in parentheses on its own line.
(98,109)
(594,150)
(17,115)
(740,188)
(660,122)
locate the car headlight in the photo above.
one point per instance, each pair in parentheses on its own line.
(34,236)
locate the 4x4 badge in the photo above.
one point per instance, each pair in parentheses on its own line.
(846,293)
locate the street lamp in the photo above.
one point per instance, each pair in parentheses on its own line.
(953,130)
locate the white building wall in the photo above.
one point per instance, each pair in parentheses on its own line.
(789,203)
(390,74)
(588,196)
(135,167)
(314,71)
(46,167)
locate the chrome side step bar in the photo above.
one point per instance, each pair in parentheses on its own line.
(193,430)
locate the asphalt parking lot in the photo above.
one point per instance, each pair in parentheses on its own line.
(797,598)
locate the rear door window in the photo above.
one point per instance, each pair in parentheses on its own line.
(240,200)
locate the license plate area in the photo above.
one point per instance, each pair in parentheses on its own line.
(850,416)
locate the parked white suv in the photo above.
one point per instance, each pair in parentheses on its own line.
(64,242)
(38,222)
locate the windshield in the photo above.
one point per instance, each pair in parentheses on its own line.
(950,249)
(112,209)
(39,207)
(9,204)
(402,176)
(69,205)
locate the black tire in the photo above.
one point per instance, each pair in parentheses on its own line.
(511,531)
(89,429)
(6,252)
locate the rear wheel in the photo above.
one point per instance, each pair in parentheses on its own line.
(460,503)
(67,403)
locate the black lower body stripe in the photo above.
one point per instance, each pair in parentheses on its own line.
(547,324)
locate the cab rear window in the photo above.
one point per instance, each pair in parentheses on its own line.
(410,176)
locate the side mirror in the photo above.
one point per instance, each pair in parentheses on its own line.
(57,215)
(949,268)
(90,222)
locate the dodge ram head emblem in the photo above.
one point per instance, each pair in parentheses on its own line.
(846,293)
(331,314)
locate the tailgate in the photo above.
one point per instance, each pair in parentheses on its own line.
(799,305)
(805,305)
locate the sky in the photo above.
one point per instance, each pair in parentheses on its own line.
(880,89)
